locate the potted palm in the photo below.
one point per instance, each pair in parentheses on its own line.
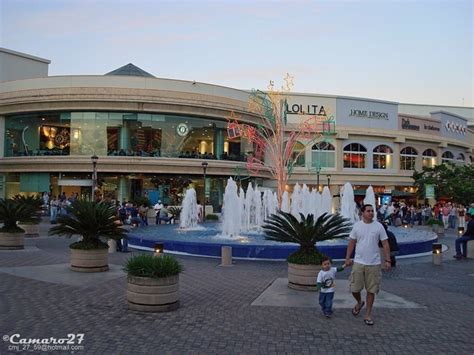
(304,264)
(11,211)
(436,225)
(31,228)
(95,222)
(153,283)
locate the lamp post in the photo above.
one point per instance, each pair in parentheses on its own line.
(94,159)
(204,169)
(318,170)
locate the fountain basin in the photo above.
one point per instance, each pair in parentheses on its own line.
(208,242)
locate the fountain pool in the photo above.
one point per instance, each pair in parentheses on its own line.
(253,245)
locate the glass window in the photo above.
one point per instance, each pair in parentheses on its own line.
(447,157)
(298,160)
(429,158)
(383,157)
(354,156)
(37,134)
(408,157)
(323,155)
(461,158)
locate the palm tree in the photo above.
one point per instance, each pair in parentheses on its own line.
(284,227)
(92,221)
(12,211)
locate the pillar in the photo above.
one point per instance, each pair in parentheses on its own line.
(218,142)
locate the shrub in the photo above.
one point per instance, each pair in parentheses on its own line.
(147,265)
(433,221)
(212,217)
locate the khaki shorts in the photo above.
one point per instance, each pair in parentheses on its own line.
(368,276)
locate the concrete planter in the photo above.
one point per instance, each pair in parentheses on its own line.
(31,230)
(12,241)
(303,277)
(146,294)
(95,260)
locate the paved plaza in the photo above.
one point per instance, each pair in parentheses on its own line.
(423,309)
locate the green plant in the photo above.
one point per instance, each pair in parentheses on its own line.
(33,201)
(92,221)
(284,227)
(212,217)
(175,212)
(433,221)
(11,211)
(147,265)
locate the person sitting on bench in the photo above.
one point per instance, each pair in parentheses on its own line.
(164,215)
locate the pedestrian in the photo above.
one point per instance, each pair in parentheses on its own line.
(325,285)
(461,242)
(366,271)
(157,209)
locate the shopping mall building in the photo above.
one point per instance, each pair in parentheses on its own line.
(151,136)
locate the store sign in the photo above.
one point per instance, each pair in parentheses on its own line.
(421,125)
(407,125)
(455,127)
(305,109)
(369,114)
(429,191)
(182,129)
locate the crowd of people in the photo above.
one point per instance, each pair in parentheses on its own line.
(450,214)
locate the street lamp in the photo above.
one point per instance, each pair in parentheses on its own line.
(204,169)
(318,170)
(94,159)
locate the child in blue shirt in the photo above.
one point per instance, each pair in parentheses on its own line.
(325,284)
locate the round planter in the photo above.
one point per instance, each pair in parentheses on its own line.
(31,230)
(12,241)
(95,260)
(146,294)
(303,277)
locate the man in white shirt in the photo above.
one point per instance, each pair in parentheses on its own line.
(157,209)
(366,271)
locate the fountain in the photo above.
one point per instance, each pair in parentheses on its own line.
(370,199)
(244,212)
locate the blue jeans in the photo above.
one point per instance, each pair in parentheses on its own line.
(462,241)
(325,300)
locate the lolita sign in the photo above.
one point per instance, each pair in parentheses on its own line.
(455,127)
(305,109)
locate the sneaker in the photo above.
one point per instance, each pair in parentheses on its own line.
(457,256)
(327,315)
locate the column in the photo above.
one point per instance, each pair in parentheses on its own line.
(2,136)
(124,137)
(123,192)
(218,142)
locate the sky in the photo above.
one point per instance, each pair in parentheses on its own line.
(402,51)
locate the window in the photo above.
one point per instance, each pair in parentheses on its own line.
(461,158)
(383,157)
(323,155)
(408,157)
(447,157)
(297,149)
(354,156)
(429,158)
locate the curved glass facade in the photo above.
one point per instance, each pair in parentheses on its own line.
(121,134)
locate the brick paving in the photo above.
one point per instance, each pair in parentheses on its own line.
(216,316)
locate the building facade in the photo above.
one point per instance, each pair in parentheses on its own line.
(152,135)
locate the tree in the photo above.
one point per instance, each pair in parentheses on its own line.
(274,139)
(449,180)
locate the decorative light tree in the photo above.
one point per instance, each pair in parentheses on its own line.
(274,139)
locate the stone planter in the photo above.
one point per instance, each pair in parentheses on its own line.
(12,241)
(146,294)
(95,260)
(303,277)
(31,230)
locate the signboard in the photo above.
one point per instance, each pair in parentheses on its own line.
(429,191)
(421,125)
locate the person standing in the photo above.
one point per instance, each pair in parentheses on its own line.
(467,236)
(366,271)
(157,209)
(325,284)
